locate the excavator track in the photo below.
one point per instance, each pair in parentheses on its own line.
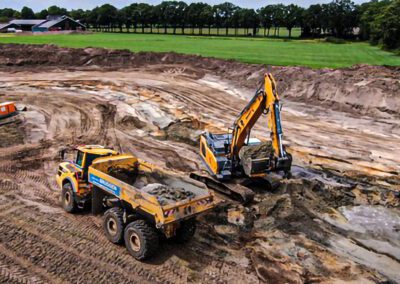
(232,190)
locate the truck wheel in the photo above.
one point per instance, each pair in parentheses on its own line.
(186,231)
(113,225)
(68,198)
(141,239)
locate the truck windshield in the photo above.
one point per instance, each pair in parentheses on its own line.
(79,158)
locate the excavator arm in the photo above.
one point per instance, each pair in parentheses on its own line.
(265,101)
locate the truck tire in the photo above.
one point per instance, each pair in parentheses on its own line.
(68,198)
(141,239)
(186,231)
(113,225)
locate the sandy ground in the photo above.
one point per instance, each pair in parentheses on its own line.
(337,220)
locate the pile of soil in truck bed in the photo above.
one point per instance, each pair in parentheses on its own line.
(166,195)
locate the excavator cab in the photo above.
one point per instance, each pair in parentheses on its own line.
(214,149)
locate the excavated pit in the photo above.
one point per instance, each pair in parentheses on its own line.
(341,126)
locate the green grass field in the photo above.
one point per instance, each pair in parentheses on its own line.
(313,53)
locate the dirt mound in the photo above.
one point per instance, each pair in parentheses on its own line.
(370,90)
(362,89)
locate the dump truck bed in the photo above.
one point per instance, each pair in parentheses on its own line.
(165,195)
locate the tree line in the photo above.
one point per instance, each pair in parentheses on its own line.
(377,21)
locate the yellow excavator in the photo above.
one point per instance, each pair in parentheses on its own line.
(233,159)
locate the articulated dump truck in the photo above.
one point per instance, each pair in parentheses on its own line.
(142,203)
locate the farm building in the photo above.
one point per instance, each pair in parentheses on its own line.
(4,28)
(52,23)
(63,23)
(27,25)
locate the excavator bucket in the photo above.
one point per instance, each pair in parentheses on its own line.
(256,159)
(255,167)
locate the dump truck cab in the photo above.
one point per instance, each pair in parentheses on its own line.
(75,172)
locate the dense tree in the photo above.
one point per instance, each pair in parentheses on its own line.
(91,18)
(107,16)
(370,11)
(7,12)
(145,15)
(248,19)
(195,16)
(278,17)
(55,10)
(172,13)
(27,13)
(311,21)
(79,15)
(207,15)
(122,16)
(389,24)
(124,19)
(42,14)
(265,15)
(342,17)
(224,13)
(292,17)
(162,11)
